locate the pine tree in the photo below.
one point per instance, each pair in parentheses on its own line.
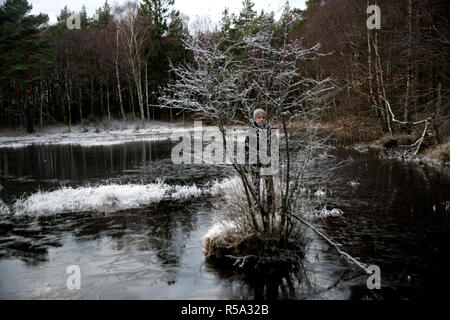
(23,53)
(103,16)
(234,28)
(165,44)
(159,12)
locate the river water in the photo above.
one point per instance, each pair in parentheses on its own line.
(395,216)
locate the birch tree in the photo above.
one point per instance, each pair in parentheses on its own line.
(117,54)
(134,36)
(119,89)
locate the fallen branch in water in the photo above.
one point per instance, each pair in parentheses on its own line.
(420,140)
(334,244)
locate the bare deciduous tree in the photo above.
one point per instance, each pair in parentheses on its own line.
(225,91)
(134,34)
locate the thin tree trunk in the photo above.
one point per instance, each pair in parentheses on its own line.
(47,97)
(408,76)
(436,124)
(146,91)
(68,99)
(92,95)
(63,99)
(381,82)
(138,81)
(9,114)
(131,100)
(29,101)
(42,103)
(80,102)
(117,75)
(136,69)
(101,98)
(52,98)
(107,105)
(170,110)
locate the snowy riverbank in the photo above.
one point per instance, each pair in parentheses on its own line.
(100,134)
(93,134)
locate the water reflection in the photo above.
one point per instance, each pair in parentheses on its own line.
(73,162)
(156,228)
(30,169)
(395,216)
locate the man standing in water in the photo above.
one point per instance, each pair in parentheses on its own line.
(262,185)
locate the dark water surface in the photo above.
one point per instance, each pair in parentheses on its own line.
(395,216)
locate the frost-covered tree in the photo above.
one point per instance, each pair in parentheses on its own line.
(276,81)
(225,91)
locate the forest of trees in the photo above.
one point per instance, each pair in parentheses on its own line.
(111,67)
(116,65)
(403,66)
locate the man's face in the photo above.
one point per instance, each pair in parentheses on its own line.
(260,119)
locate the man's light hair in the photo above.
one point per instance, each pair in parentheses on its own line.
(257,112)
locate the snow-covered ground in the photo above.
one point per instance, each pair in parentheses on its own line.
(100,134)
(95,135)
